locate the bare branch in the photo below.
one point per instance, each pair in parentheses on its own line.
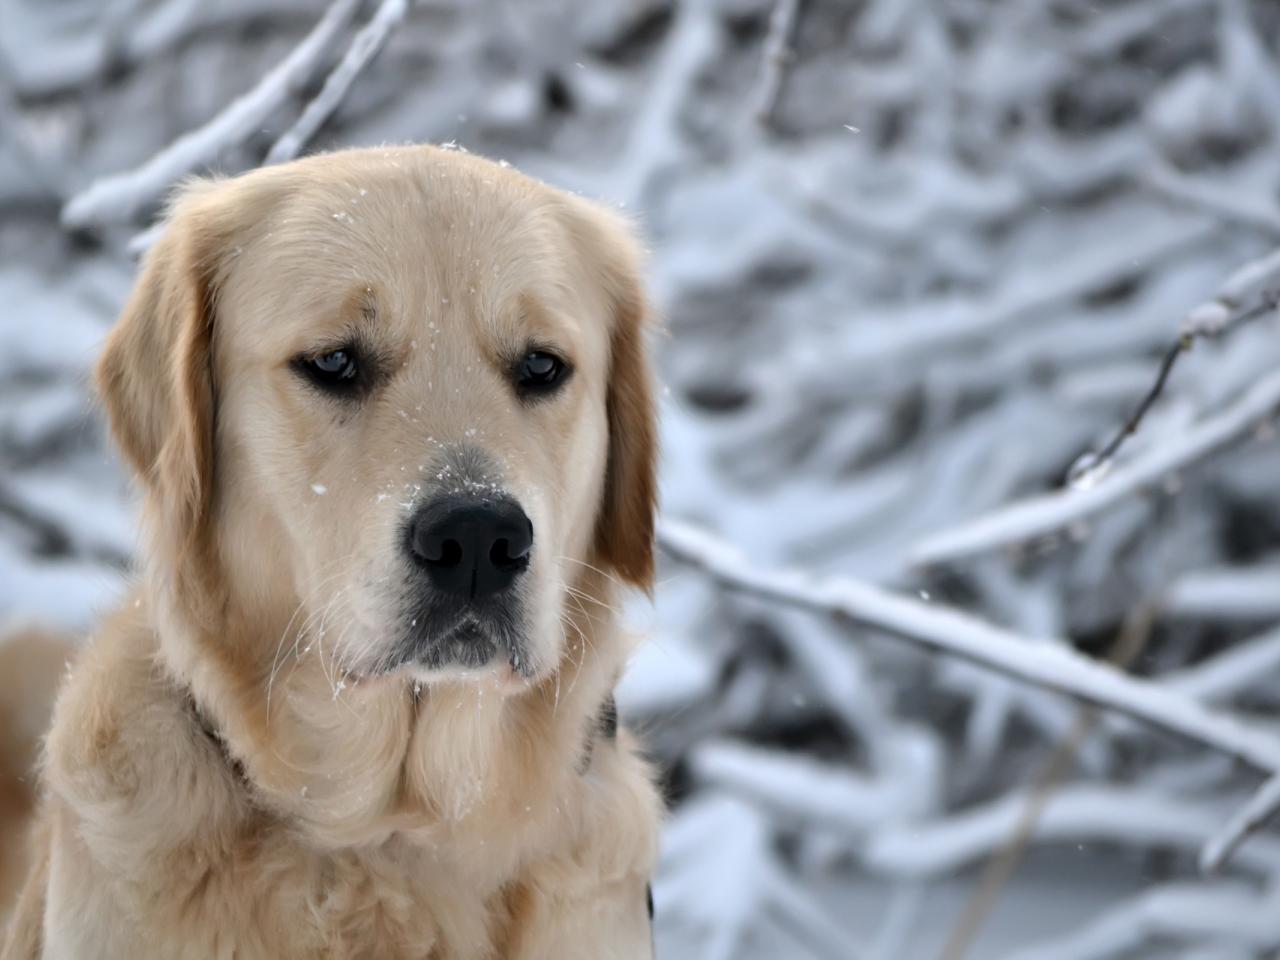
(122,196)
(999,870)
(1049,664)
(1209,319)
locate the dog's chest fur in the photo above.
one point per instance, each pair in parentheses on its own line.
(198,867)
(267,897)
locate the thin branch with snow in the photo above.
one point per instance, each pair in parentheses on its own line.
(1227,593)
(1048,513)
(778,55)
(999,870)
(1044,663)
(1131,816)
(364,47)
(1237,669)
(720,843)
(1228,207)
(1209,319)
(1251,818)
(122,196)
(1180,911)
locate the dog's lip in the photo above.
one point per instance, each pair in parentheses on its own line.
(509,681)
(499,675)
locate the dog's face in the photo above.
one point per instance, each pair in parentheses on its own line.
(402,392)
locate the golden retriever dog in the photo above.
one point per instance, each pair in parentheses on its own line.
(392,417)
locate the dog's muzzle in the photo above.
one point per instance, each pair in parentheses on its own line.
(469,553)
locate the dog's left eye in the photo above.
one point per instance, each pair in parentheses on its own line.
(540,372)
(336,370)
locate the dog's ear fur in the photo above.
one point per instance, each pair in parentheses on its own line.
(156,382)
(624,535)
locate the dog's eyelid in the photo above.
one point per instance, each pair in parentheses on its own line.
(540,372)
(343,367)
(541,345)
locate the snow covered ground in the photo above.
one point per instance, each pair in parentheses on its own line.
(911,272)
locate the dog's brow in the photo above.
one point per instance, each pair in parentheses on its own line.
(536,321)
(361,303)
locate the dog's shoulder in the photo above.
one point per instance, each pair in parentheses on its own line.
(125,742)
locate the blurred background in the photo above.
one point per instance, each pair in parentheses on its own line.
(916,259)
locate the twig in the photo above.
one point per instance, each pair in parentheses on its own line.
(778,55)
(1258,280)
(1252,817)
(1046,664)
(364,47)
(1092,462)
(1037,516)
(1000,869)
(1197,327)
(120,197)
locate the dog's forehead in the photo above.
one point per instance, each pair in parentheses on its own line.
(438,219)
(426,234)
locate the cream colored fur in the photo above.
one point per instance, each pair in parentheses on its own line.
(225,775)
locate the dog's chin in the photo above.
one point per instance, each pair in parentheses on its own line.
(468,651)
(499,676)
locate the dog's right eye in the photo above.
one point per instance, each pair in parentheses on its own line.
(337,370)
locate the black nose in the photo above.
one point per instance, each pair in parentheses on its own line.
(469,547)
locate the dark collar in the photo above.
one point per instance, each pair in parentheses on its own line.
(605,727)
(207,727)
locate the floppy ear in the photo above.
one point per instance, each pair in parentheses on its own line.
(155,381)
(624,536)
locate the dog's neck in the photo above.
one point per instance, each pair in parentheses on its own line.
(446,764)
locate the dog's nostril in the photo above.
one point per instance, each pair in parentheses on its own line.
(447,554)
(501,555)
(471,548)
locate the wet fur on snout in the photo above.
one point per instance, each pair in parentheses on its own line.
(212,785)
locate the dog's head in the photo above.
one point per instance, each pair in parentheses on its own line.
(398,396)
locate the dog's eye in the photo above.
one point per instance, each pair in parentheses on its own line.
(540,372)
(335,370)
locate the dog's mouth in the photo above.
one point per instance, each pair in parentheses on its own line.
(463,643)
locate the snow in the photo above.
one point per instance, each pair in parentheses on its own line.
(1052,512)
(1175,911)
(941,272)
